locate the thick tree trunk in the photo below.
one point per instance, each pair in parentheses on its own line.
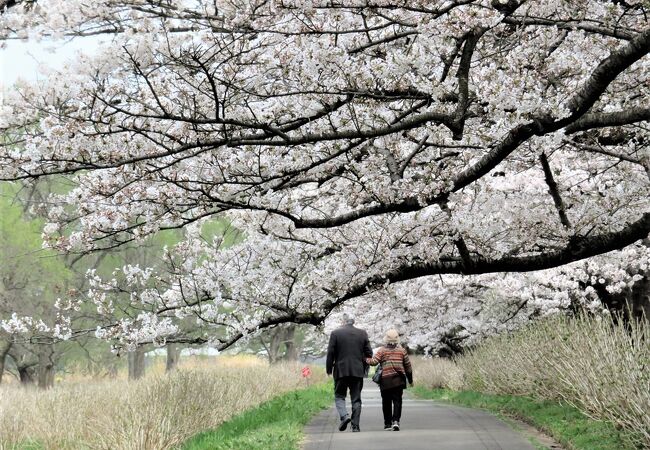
(46,367)
(136,363)
(452,344)
(631,303)
(639,299)
(274,345)
(112,371)
(27,374)
(173,356)
(282,345)
(26,363)
(4,350)
(291,353)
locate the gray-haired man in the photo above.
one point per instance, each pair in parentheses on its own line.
(348,347)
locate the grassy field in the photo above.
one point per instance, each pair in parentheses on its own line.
(161,411)
(274,425)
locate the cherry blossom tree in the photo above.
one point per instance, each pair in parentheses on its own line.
(358,144)
(445,315)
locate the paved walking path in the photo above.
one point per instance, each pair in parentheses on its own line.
(425,425)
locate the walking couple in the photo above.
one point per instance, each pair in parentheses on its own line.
(348,357)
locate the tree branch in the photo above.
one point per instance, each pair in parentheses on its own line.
(576,249)
(611,119)
(554,191)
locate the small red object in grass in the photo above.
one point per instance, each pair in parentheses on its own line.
(306,372)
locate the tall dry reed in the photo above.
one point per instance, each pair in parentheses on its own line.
(158,412)
(436,373)
(592,363)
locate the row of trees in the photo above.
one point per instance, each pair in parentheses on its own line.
(459,312)
(46,286)
(391,157)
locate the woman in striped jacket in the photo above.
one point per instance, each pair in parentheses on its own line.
(396,369)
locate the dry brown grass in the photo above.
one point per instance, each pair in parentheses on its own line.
(435,373)
(158,412)
(600,367)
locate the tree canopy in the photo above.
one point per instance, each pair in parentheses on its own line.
(356,143)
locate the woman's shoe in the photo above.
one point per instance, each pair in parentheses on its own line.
(388,428)
(395,426)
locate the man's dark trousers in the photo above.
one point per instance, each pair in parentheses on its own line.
(341,386)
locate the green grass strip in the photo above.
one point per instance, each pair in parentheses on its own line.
(566,424)
(275,425)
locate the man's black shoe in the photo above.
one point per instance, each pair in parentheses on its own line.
(344,423)
(355,429)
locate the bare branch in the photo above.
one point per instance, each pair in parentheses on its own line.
(554,191)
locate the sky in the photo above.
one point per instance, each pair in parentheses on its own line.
(19,59)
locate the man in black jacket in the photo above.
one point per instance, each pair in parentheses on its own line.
(346,353)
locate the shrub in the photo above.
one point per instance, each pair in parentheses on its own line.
(593,363)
